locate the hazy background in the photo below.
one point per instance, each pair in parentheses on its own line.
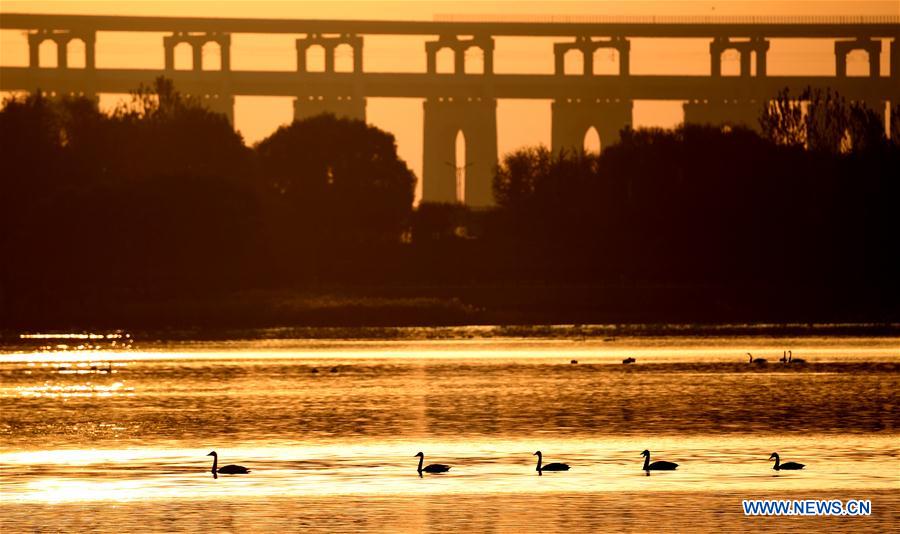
(520,122)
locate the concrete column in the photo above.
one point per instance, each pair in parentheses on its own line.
(624,49)
(169,47)
(301,55)
(459,60)
(225,51)
(587,58)
(34,48)
(90,51)
(488,52)
(329,56)
(840,66)
(62,52)
(358,57)
(895,58)
(430,58)
(715,55)
(874,50)
(559,60)
(762,51)
(197,49)
(745,62)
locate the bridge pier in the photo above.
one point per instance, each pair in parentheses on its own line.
(873,49)
(757,45)
(744,112)
(459,48)
(588,47)
(197,41)
(476,118)
(62,39)
(572,118)
(330,44)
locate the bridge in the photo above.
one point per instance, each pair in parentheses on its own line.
(462,100)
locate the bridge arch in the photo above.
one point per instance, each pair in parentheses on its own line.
(76,53)
(573,62)
(183,55)
(211,56)
(592,142)
(343,57)
(48,54)
(315,58)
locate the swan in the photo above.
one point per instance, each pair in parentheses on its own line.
(792,360)
(787,466)
(757,361)
(628,360)
(784,357)
(549,467)
(226,469)
(431,468)
(658,465)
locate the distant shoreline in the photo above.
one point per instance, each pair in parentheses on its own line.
(603,332)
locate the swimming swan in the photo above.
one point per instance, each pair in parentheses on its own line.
(757,361)
(787,466)
(792,360)
(431,468)
(549,467)
(658,465)
(226,469)
(628,360)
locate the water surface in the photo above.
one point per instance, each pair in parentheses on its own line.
(96,436)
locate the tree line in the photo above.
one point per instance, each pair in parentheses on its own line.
(162,197)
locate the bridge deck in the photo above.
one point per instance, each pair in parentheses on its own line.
(421,85)
(769,27)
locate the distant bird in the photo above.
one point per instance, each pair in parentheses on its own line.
(226,469)
(334,369)
(628,360)
(787,466)
(314,370)
(658,465)
(757,361)
(549,467)
(431,468)
(784,357)
(573,361)
(792,360)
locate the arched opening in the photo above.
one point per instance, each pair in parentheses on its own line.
(731,62)
(76,55)
(445,61)
(591,141)
(343,58)
(459,163)
(211,56)
(474,60)
(858,63)
(47,54)
(315,58)
(573,62)
(606,61)
(184,56)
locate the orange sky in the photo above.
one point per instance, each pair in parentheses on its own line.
(519,122)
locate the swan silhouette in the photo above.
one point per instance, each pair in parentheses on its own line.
(792,360)
(658,465)
(431,468)
(757,361)
(229,469)
(628,360)
(784,357)
(549,467)
(787,466)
